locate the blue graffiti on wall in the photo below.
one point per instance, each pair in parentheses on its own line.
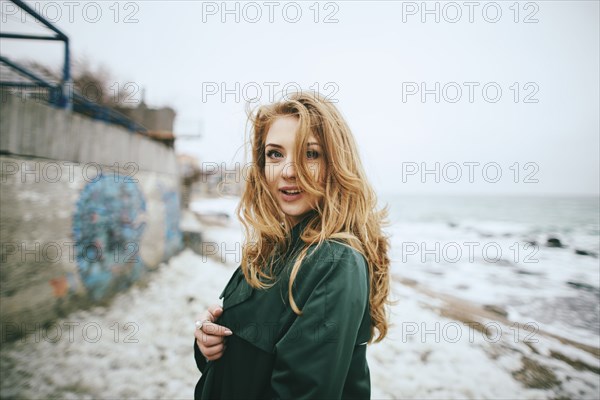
(107,227)
(173,236)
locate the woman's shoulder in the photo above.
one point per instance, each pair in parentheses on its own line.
(332,268)
(335,249)
(334,254)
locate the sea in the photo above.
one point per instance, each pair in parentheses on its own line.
(536,258)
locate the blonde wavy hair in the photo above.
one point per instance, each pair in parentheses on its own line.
(346,211)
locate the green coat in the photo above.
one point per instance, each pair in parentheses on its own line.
(274,353)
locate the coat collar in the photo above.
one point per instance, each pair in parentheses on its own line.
(294,243)
(297,229)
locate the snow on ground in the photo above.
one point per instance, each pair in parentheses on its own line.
(425,356)
(554,287)
(153,359)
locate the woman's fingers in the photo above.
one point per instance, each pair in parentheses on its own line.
(214,357)
(210,338)
(215,312)
(210,347)
(214,351)
(208,341)
(210,328)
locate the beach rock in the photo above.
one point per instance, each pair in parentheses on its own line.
(586,253)
(496,310)
(504,262)
(526,272)
(577,364)
(408,282)
(583,286)
(553,242)
(535,375)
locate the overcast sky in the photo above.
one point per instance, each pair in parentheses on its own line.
(375,59)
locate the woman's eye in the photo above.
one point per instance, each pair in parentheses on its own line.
(273,154)
(312,154)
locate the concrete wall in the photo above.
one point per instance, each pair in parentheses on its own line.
(155,119)
(87,209)
(33,128)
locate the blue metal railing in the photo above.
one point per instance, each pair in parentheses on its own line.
(61,95)
(64,99)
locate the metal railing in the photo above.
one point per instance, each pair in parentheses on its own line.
(61,94)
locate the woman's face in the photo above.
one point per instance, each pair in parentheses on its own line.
(280,168)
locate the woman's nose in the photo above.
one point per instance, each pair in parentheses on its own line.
(289,170)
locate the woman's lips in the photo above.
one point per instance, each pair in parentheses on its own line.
(289,196)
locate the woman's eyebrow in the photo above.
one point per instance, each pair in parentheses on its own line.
(281,147)
(274,145)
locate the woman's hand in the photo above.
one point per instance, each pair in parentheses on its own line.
(211,338)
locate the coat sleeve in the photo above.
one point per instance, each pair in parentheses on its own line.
(313,357)
(199,357)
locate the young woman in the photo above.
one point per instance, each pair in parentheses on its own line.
(313,284)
